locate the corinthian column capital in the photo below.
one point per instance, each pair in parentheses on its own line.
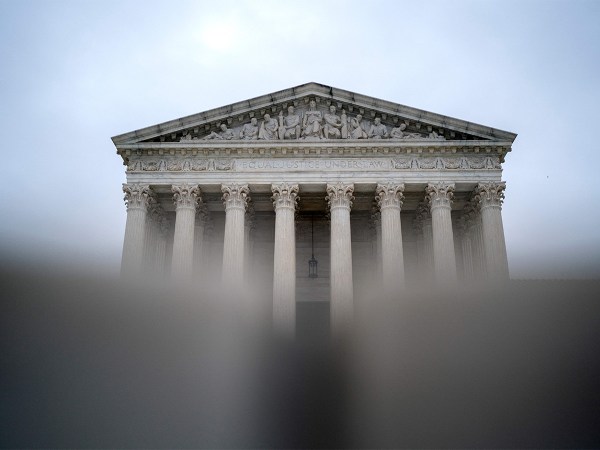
(339,195)
(490,194)
(439,195)
(389,195)
(235,196)
(138,196)
(186,196)
(285,196)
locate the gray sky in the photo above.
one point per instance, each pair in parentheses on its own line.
(73,74)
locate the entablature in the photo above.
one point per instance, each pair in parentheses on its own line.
(260,149)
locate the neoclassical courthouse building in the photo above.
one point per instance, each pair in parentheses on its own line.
(315,193)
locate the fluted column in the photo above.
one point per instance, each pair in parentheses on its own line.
(467,246)
(160,262)
(248,247)
(376,220)
(235,199)
(285,197)
(440,197)
(389,199)
(186,198)
(150,240)
(138,198)
(426,259)
(153,225)
(201,217)
(339,197)
(490,197)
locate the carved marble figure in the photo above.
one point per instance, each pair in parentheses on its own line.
(225,134)
(437,137)
(378,130)
(333,125)
(398,133)
(249,131)
(311,123)
(289,126)
(268,128)
(356,129)
(344,128)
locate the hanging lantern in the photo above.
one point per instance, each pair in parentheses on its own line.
(312,262)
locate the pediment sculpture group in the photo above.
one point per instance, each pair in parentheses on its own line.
(313,126)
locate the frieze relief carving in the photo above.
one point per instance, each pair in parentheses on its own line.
(185,165)
(331,163)
(314,122)
(451,163)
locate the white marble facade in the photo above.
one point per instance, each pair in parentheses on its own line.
(382,194)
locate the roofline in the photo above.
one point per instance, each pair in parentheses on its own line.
(320,90)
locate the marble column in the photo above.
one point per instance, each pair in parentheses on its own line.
(418,230)
(389,199)
(339,197)
(467,246)
(153,220)
(201,217)
(439,196)
(248,230)
(376,221)
(138,198)
(235,199)
(186,198)
(285,197)
(164,228)
(150,241)
(490,197)
(426,264)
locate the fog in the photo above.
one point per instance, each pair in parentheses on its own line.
(93,362)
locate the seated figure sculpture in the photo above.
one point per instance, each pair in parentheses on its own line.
(289,126)
(356,129)
(268,129)
(311,123)
(333,125)
(378,130)
(249,131)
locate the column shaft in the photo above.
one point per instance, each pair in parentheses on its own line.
(389,197)
(150,243)
(235,198)
(444,259)
(199,243)
(467,254)
(138,198)
(284,264)
(490,197)
(427,247)
(342,291)
(186,199)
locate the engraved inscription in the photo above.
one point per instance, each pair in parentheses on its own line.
(314,164)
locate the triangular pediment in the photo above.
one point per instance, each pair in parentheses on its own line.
(359,117)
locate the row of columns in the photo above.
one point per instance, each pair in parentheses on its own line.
(481,227)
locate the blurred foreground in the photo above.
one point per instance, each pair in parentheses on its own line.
(99,363)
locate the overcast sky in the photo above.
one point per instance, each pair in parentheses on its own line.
(74,74)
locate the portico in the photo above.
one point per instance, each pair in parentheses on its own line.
(416,198)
